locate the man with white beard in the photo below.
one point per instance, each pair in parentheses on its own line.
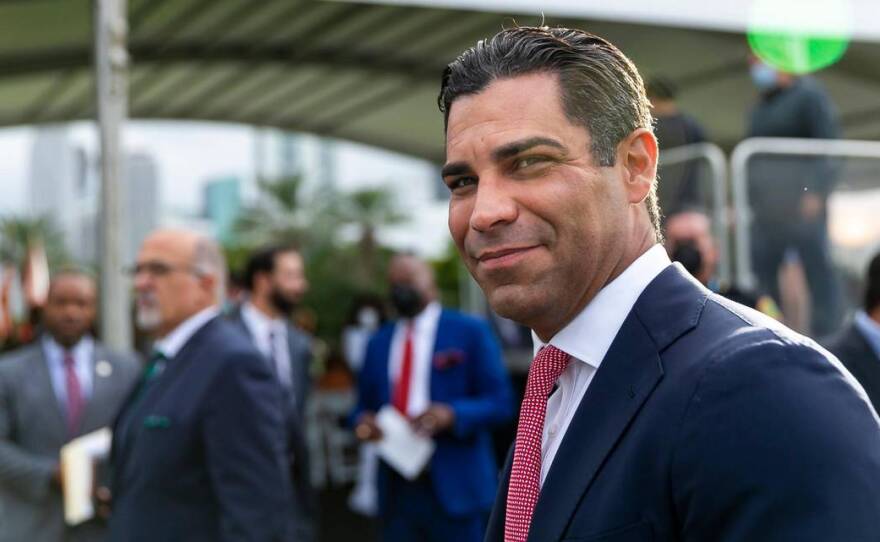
(198,450)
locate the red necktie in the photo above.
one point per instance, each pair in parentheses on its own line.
(74,395)
(525,474)
(401,390)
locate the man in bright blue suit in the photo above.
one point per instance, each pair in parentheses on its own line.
(444,371)
(654,409)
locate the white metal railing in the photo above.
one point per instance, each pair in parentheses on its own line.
(746,150)
(717,162)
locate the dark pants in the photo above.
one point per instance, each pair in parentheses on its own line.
(770,241)
(415,515)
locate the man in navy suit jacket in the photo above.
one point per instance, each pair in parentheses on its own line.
(654,410)
(444,371)
(199,448)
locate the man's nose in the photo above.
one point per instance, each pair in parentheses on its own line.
(494,204)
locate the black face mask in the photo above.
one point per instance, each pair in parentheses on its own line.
(688,255)
(406,300)
(283,304)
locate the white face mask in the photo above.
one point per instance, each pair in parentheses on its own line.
(763,76)
(368,317)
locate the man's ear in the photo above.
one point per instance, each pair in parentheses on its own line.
(209,282)
(638,154)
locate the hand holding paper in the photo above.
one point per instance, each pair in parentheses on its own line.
(401,447)
(78,458)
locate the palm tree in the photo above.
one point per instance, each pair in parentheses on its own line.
(277,217)
(368,210)
(19,234)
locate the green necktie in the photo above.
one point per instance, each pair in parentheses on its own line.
(155,366)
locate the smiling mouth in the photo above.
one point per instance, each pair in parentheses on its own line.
(493,259)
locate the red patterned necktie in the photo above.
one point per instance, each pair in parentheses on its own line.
(401,390)
(74,395)
(525,474)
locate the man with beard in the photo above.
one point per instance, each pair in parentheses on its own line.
(198,449)
(65,385)
(275,282)
(443,371)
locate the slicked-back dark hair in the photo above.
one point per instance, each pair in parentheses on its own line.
(263,261)
(872,286)
(601,88)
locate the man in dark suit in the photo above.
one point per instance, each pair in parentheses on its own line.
(198,450)
(858,345)
(275,282)
(65,385)
(654,409)
(442,370)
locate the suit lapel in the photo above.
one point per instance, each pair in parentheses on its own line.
(384,378)
(101,389)
(56,414)
(129,421)
(669,307)
(627,377)
(299,371)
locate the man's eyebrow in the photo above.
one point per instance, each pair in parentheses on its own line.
(516,147)
(455,168)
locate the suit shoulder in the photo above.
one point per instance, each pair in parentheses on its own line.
(299,336)
(384,333)
(758,353)
(463,320)
(17,360)
(227,343)
(847,340)
(733,343)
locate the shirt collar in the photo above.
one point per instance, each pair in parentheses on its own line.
(170,344)
(870,330)
(258,322)
(589,335)
(429,315)
(81,350)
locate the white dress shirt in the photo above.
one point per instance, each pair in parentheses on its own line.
(83,356)
(587,339)
(170,344)
(270,338)
(424,337)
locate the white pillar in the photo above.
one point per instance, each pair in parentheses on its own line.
(111,83)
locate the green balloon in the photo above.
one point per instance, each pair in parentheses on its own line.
(797,53)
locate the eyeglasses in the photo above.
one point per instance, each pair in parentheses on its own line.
(159,269)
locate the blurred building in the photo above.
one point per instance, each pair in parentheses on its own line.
(223,206)
(64,184)
(143,200)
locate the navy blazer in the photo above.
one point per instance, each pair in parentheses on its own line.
(468,374)
(302,525)
(707,421)
(199,455)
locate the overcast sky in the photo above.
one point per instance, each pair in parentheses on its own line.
(188,154)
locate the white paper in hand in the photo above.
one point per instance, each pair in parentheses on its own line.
(403,449)
(77,466)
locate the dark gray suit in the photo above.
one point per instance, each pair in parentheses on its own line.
(853,350)
(302,521)
(32,431)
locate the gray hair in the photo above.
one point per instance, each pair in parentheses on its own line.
(209,260)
